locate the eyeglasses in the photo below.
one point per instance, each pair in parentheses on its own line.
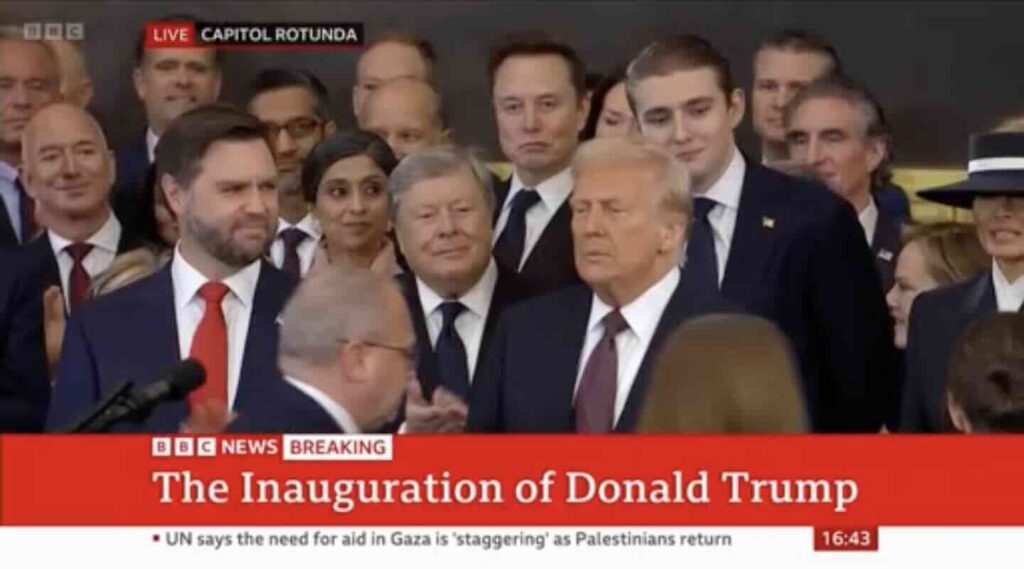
(411,355)
(301,127)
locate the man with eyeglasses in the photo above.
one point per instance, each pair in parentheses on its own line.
(347,350)
(295,109)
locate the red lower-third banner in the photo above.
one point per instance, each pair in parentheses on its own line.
(839,482)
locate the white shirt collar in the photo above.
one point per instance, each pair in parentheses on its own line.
(151,140)
(187,280)
(309,224)
(868,218)
(8,173)
(1009,296)
(553,192)
(477,299)
(106,237)
(727,189)
(644,313)
(337,412)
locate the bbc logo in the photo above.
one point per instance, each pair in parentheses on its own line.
(71,31)
(184,446)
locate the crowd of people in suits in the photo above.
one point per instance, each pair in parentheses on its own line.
(636,272)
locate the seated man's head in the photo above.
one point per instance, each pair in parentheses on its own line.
(631,209)
(407,114)
(986,376)
(348,333)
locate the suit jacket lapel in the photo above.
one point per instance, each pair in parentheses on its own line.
(160,346)
(501,189)
(754,237)
(506,293)
(259,363)
(7,235)
(427,369)
(981,298)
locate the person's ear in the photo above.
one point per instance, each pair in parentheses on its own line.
(877,149)
(139,82)
(957,415)
(330,127)
(174,193)
(737,107)
(353,361)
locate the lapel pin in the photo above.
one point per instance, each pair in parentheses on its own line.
(768,222)
(885,254)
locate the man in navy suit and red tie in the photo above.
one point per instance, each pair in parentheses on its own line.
(780,247)
(579,359)
(217,301)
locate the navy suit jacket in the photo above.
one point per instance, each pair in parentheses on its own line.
(936,321)
(132,335)
(24,377)
(885,246)
(284,409)
(893,202)
(799,258)
(8,239)
(551,264)
(529,377)
(128,198)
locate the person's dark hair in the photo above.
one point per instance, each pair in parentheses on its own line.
(423,46)
(845,88)
(182,147)
(339,146)
(618,75)
(803,41)
(986,374)
(140,41)
(678,53)
(538,43)
(280,78)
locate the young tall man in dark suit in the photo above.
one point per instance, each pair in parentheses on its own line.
(216,301)
(783,248)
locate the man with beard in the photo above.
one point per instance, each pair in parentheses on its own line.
(216,301)
(295,109)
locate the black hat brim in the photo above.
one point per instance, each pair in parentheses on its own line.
(962,194)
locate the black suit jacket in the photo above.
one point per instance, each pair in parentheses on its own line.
(885,246)
(530,373)
(24,376)
(8,238)
(132,334)
(551,264)
(506,293)
(936,321)
(284,409)
(799,258)
(128,199)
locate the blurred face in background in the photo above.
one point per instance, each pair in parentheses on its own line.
(170,82)
(616,118)
(780,74)
(29,80)
(911,279)
(352,205)
(406,113)
(539,114)
(384,62)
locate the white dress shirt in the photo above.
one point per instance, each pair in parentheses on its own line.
(11,196)
(552,192)
(642,315)
(470,324)
(307,249)
(726,193)
(237,308)
(337,412)
(151,140)
(104,249)
(1009,296)
(868,218)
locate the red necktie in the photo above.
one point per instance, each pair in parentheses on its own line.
(595,400)
(210,346)
(79,281)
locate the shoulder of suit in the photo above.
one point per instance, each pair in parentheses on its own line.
(944,300)
(557,302)
(798,193)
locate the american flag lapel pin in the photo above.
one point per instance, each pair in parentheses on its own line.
(885,254)
(768,222)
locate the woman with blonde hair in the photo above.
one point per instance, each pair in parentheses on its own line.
(725,373)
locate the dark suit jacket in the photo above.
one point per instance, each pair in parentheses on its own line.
(530,373)
(893,202)
(799,258)
(8,238)
(284,409)
(128,199)
(551,264)
(132,334)
(885,246)
(25,274)
(936,320)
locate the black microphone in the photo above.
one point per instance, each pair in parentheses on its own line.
(128,404)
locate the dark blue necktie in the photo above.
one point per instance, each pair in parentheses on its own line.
(451,352)
(508,251)
(701,261)
(291,238)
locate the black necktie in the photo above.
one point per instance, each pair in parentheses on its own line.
(451,352)
(26,213)
(291,238)
(701,261)
(508,251)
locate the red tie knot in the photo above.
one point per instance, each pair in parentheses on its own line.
(78,251)
(213,293)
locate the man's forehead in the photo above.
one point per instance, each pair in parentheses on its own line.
(545,71)
(804,64)
(390,60)
(180,55)
(678,88)
(826,113)
(27,56)
(289,100)
(62,124)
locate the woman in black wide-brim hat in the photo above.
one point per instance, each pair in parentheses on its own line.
(994,191)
